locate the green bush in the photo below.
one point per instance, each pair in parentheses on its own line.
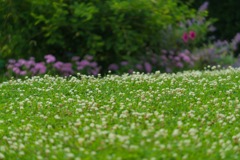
(107,29)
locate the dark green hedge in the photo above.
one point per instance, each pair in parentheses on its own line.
(106,28)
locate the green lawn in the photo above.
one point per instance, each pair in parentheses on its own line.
(191,115)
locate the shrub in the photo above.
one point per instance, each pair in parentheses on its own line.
(217,53)
(187,47)
(107,29)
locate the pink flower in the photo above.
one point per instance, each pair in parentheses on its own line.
(148,67)
(16,70)
(185,37)
(39,68)
(58,65)
(113,67)
(50,58)
(192,35)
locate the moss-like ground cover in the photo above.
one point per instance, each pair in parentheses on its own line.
(190,115)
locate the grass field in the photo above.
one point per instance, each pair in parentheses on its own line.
(191,115)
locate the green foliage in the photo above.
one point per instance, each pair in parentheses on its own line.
(2,65)
(108,29)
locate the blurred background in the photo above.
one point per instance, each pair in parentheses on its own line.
(67,37)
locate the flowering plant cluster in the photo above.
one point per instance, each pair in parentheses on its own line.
(189,36)
(23,67)
(167,61)
(218,53)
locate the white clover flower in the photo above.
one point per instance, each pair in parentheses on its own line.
(2,156)
(70,155)
(192,131)
(175,132)
(57,117)
(179,123)
(39,157)
(185,156)
(21,153)
(145,133)
(80,140)
(21,146)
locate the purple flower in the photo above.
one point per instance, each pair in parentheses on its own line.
(179,64)
(203,7)
(16,70)
(58,65)
(88,57)
(64,68)
(39,68)
(22,73)
(95,71)
(10,66)
(147,67)
(113,67)
(21,61)
(80,68)
(220,43)
(154,59)
(17,64)
(168,70)
(164,51)
(83,63)
(164,58)
(181,24)
(211,28)
(93,64)
(177,58)
(67,68)
(50,58)
(189,22)
(29,63)
(11,61)
(124,63)
(185,58)
(236,41)
(75,58)
(139,67)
